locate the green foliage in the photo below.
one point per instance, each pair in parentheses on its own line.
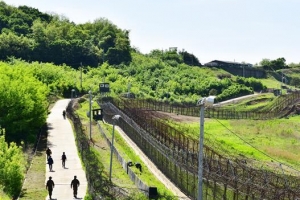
(294,65)
(12,166)
(255,84)
(16,46)
(31,35)
(21,95)
(234,91)
(153,78)
(295,81)
(189,59)
(279,63)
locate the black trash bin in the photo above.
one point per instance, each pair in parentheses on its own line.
(153,194)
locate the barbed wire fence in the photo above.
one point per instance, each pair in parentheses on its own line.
(177,157)
(98,185)
(276,111)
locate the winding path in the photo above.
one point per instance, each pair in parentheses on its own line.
(61,139)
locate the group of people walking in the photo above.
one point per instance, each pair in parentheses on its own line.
(50,183)
(50,161)
(74,184)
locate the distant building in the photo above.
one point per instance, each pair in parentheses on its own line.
(219,63)
(238,69)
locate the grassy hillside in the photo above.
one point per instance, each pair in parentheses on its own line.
(264,141)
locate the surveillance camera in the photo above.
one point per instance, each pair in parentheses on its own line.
(116,117)
(209,101)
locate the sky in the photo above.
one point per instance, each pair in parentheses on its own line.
(227,30)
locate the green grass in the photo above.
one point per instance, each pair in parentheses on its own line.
(3,196)
(128,154)
(34,185)
(271,82)
(262,140)
(258,102)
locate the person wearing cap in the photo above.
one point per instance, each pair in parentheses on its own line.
(75,184)
(50,186)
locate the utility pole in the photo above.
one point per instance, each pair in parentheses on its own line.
(81,76)
(200,164)
(205,101)
(90,95)
(114,118)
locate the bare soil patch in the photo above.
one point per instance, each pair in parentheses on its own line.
(174,117)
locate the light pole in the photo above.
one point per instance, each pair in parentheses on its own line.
(90,115)
(205,101)
(115,118)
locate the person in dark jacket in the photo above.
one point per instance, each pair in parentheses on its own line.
(50,163)
(50,186)
(75,184)
(48,152)
(63,160)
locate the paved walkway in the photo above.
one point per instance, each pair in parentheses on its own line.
(61,139)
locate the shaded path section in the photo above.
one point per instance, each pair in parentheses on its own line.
(61,139)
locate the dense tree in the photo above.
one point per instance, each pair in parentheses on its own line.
(173,57)
(12,45)
(23,103)
(53,38)
(277,64)
(190,59)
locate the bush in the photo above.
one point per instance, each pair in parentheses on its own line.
(12,164)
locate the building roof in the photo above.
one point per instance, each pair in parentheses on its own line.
(226,62)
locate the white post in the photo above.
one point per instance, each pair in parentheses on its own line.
(200,159)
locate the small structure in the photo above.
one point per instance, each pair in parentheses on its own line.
(238,69)
(219,63)
(104,87)
(97,114)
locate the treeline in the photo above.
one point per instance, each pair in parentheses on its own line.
(31,35)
